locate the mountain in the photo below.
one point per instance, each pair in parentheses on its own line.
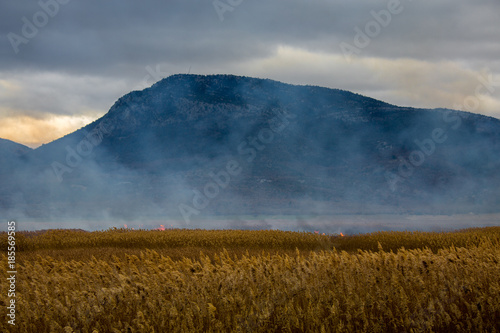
(12,153)
(10,149)
(193,146)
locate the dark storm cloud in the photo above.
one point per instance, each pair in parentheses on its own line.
(92,36)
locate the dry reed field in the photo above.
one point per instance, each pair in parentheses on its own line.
(121,280)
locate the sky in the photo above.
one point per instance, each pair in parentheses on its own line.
(63,63)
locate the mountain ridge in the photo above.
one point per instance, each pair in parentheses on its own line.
(166,80)
(339,152)
(9,146)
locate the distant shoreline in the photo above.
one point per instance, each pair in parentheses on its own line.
(324,223)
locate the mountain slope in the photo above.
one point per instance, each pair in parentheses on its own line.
(194,145)
(10,149)
(11,154)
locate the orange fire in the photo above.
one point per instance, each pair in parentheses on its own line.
(341,234)
(162,227)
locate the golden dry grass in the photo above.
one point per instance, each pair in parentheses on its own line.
(256,281)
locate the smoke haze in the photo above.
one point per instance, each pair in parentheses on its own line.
(223,151)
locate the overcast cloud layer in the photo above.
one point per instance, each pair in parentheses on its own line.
(64,66)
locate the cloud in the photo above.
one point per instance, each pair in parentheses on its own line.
(403,81)
(94,38)
(36,93)
(89,54)
(32,132)
(40,107)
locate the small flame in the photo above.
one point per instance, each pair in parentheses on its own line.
(341,234)
(162,227)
